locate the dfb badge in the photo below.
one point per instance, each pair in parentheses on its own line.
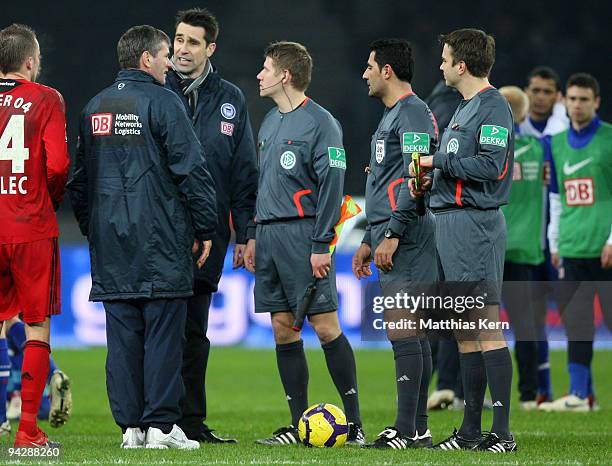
(287,160)
(452,146)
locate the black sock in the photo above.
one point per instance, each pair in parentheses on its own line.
(421,417)
(293,371)
(408,369)
(341,365)
(474,378)
(499,374)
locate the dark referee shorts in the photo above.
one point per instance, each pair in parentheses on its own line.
(414,261)
(471,246)
(283,270)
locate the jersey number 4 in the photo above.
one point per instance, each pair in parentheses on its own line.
(12,145)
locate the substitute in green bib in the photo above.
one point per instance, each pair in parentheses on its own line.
(579,233)
(524,218)
(524,212)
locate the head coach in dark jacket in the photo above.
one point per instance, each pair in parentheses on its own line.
(142,194)
(221,121)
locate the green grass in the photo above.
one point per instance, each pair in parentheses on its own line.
(246,400)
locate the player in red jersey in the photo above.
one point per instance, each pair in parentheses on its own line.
(33,170)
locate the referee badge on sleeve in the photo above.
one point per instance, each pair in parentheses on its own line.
(337,157)
(494,135)
(415,142)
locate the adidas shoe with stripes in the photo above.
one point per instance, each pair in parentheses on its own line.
(456,442)
(424,440)
(356,435)
(494,444)
(283,436)
(391,438)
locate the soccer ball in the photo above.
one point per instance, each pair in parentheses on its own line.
(323,425)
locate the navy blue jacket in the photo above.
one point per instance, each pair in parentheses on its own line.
(141,191)
(221,122)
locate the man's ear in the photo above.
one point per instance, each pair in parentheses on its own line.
(210,49)
(145,60)
(387,71)
(29,63)
(462,68)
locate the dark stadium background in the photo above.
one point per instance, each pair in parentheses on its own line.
(79,38)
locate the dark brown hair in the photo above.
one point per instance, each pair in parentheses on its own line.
(200,17)
(397,53)
(474,47)
(583,80)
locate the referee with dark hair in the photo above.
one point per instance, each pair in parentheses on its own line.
(400,241)
(472,179)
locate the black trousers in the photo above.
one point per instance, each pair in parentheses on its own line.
(517,294)
(143,376)
(449,375)
(545,285)
(195,361)
(584,278)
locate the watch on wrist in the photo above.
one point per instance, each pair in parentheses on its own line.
(389,233)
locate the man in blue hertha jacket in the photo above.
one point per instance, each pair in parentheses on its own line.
(221,121)
(142,193)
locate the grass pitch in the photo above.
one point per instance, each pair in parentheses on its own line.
(246,400)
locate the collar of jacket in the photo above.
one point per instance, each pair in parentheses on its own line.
(210,84)
(136,75)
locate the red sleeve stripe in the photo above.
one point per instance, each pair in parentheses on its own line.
(298,203)
(390,193)
(458,190)
(505,170)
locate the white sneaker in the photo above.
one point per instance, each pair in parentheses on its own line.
(566,404)
(5,428)
(13,410)
(134,437)
(440,399)
(175,439)
(531,405)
